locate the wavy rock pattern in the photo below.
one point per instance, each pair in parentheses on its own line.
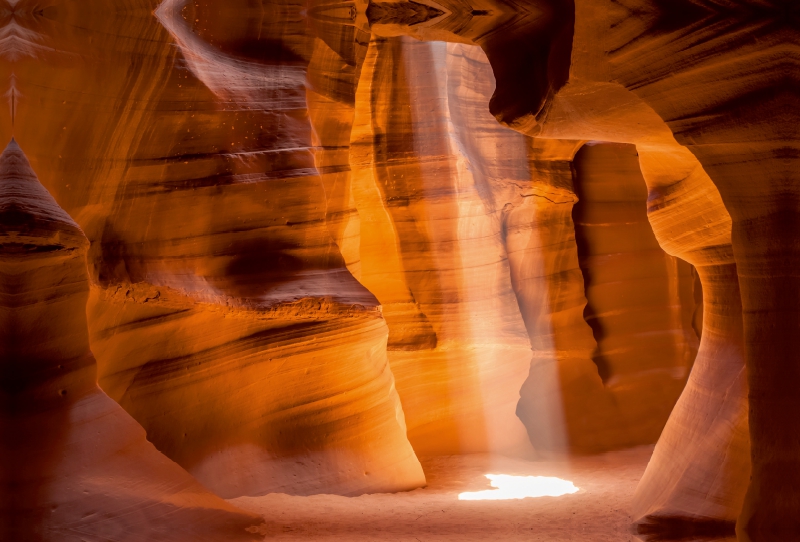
(426,190)
(75,466)
(639,299)
(692,225)
(703,51)
(739,123)
(400,160)
(293,197)
(223,318)
(628,305)
(700,468)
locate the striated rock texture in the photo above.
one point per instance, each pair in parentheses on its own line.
(223,317)
(433,172)
(689,479)
(727,98)
(75,465)
(269,306)
(699,471)
(616,92)
(640,300)
(604,297)
(300,217)
(741,123)
(593,105)
(225,245)
(429,185)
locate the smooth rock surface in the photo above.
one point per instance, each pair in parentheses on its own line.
(75,465)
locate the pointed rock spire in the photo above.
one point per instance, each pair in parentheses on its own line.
(27,210)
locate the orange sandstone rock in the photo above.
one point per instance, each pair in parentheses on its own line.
(222,314)
(244,171)
(75,465)
(431,246)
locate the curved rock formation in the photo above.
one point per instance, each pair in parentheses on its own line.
(639,300)
(614,390)
(699,471)
(719,78)
(223,317)
(257,179)
(741,123)
(420,123)
(431,248)
(75,465)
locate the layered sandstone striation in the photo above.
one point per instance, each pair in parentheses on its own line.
(601,293)
(741,124)
(222,314)
(698,474)
(429,190)
(609,97)
(303,214)
(75,465)
(640,301)
(424,155)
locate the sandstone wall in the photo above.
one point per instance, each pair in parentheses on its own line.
(238,169)
(222,315)
(424,179)
(75,465)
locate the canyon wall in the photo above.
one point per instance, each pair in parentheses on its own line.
(233,238)
(314,250)
(602,294)
(726,97)
(445,205)
(71,457)
(431,248)
(223,317)
(640,301)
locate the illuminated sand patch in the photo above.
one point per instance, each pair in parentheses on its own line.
(520,487)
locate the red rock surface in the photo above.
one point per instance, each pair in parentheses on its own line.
(75,465)
(326,237)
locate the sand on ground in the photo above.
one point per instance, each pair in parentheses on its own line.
(598,512)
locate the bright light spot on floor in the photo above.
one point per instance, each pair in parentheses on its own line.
(520,487)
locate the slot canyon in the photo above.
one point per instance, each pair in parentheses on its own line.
(413,270)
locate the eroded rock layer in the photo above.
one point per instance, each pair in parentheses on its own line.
(75,465)
(640,301)
(429,198)
(699,471)
(425,155)
(741,123)
(298,399)
(596,290)
(257,178)
(223,315)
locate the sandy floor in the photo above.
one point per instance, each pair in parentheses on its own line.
(596,513)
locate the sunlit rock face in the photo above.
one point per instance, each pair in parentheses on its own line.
(692,481)
(222,315)
(667,77)
(616,329)
(72,457)
(741,123)
(451,191)
(325,237)
(430,200)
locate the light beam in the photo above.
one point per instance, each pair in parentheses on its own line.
(520,487)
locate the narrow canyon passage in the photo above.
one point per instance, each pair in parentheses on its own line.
(354,270)
(640,300)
